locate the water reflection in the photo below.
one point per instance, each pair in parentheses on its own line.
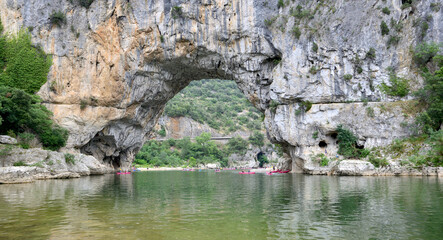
(206,205)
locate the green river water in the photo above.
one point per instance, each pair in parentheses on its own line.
(225,205)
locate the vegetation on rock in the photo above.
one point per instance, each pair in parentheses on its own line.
(69,158)
(57,18)
(22,64)
(218,103)
(347,144)
(397,86)
(23,70)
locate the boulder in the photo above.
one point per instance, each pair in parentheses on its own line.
(354,168)
(4,139)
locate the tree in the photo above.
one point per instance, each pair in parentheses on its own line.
(25,66)
(23,112)
(237,145)
(256,139)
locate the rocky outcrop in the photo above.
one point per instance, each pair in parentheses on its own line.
(4,139)
(180,127)
(26,165)
(118,62)
(364,168)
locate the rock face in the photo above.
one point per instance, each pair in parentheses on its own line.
(41,164)
(118,62)
(4,139)
(180,127)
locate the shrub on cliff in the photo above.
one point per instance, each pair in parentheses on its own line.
(432,96)
(57,18)
(21,111)
(424,53)
(23,65)
(397,86)
(347,144)
(85,3)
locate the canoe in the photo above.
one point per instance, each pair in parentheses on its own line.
(269,173)
(120,173)
(246,173)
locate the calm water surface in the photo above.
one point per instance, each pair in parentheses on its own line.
(226,205)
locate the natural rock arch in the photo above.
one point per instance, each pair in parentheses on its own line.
(118,62)
(113,75)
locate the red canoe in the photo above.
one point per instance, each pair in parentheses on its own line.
(246,173)
(119,173)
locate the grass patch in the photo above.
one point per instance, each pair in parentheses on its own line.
(322,160)
(69,158)
(19,164)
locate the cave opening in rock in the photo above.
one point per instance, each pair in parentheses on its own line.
(322,144)
(359,146)
(262,159)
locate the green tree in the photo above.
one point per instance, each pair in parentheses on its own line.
(218,103)
(25,65)
(1,26)
(257,139)
(22,112)
(432,96)
(347,143)
(237,145)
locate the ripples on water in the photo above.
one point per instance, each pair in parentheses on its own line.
(226,205)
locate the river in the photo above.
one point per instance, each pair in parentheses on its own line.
(225,205)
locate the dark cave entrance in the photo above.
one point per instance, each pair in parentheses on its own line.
(322,144)
(262,159)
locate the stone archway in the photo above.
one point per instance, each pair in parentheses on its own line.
(117,63)
(109,84)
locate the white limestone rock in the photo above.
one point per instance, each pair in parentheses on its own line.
(354,168)
(4,139)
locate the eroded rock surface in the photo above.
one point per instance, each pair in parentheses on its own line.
(118,62)
(26,165)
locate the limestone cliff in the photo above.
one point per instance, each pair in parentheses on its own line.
(118,62)
(180,127)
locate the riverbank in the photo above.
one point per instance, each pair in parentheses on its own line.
(364,168)
(20,165)
(258,170)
